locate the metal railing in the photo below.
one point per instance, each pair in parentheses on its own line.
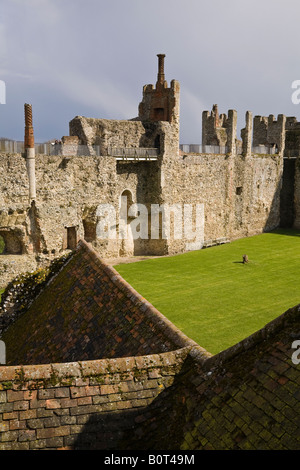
(70,150)
(198,148)
(11,146)
(133,153)
(216,149)
(52,148)
(265,149)
(291,153)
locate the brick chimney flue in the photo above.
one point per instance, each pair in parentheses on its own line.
(29,137)
(161,71)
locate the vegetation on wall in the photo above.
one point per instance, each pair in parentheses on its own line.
(22,290)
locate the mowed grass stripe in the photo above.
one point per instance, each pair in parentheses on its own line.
(213,297)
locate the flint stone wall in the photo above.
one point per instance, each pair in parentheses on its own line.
(240,197)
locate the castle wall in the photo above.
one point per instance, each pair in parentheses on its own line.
(241,195)
(109,133)
(287,194)
(237,196)
(69,191)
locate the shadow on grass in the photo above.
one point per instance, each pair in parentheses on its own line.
(285,231)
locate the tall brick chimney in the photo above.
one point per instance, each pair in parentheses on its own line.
(161,71)
(30,151)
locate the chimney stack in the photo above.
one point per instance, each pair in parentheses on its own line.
(30,151)
(161,71)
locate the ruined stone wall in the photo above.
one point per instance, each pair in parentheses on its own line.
(241,195)
(109,133)
(69,191)
(269,131)
(214,127)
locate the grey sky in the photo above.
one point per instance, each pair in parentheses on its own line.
(92,58)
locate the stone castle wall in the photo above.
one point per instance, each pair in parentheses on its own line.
(240,197)
(237,193)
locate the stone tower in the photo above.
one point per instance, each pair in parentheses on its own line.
(160,103)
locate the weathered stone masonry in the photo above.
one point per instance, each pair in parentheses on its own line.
(239,189)
(95,365)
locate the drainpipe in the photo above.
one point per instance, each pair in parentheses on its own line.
(30,151)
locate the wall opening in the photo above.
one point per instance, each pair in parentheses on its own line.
(159,114)
(71,238)
(89,228)
(2,245)
(11,242)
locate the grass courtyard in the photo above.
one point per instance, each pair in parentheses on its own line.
(213,297)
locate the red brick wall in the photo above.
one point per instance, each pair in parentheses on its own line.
(92,404)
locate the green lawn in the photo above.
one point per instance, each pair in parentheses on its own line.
(213,297)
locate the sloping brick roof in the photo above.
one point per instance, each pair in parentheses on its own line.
(251,396)
(88,311)
(246,397)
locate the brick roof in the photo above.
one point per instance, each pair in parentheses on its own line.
(246,397)
(88,311)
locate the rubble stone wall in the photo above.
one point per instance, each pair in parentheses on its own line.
(240,197)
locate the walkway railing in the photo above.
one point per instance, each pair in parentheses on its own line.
(134,153)
(198,148)
(216,149)
(52,148)
(265,149)
(289,153)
